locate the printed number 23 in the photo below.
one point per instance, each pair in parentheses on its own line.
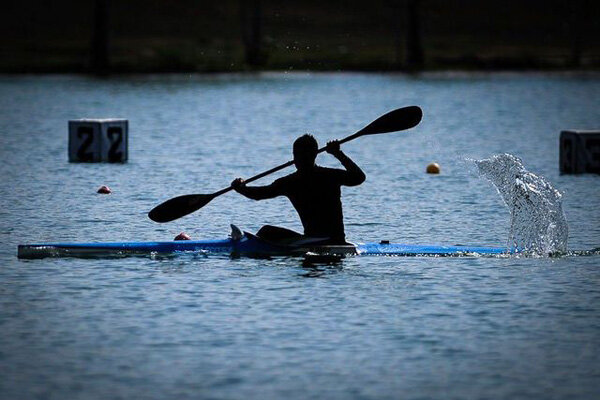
(115,136)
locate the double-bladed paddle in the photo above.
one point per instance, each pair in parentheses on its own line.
(177,207)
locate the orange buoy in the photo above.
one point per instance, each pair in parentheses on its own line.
(104,190)
(433,168)
(183,236)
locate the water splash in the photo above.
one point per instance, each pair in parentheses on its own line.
(538,224)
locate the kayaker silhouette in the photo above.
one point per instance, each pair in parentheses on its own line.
(314,191)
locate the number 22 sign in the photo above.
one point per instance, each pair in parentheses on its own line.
(98,140)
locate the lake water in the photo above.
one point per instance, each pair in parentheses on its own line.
(193,327)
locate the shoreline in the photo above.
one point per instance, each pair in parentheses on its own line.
(438,73)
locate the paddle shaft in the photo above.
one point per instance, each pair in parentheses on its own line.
(284,165)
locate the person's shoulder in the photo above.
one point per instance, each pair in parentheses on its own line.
(286,179)
(332,175)
(326,171)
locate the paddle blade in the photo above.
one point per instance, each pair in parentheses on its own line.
(178,207)
(397,120)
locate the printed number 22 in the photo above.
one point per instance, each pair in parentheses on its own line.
(115,136)
(82,153)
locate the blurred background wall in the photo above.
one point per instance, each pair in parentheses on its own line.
(108,36)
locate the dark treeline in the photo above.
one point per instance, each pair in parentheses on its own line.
(104,36)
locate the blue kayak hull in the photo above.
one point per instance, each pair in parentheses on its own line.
(247,245)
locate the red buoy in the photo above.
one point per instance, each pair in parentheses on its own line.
(183,236)
(104,190)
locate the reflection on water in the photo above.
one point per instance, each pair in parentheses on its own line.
(208,326)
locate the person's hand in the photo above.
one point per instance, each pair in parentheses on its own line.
(237,183)
(333,147)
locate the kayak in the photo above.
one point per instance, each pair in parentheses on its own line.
(246,244)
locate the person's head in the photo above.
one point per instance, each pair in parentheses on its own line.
(305,152)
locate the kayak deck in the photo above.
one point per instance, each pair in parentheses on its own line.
(247,245)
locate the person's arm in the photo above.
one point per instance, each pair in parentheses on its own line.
(354,175)
(255,192)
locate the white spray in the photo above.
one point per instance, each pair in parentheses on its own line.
(538,224)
